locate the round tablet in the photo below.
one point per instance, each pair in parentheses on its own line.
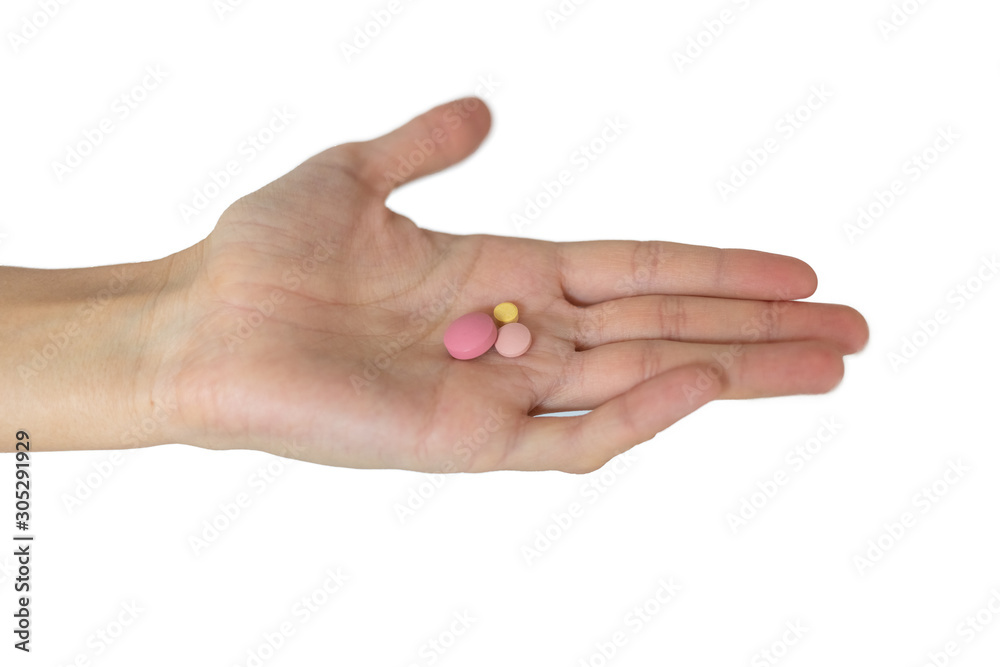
(505,313)
(470,336)
(513,340)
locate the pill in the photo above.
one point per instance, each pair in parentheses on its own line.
(505,313)
(470,336)
(513,340)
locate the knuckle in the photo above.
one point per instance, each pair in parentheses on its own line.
(672,316)
(646,261)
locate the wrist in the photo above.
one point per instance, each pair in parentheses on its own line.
(84,349)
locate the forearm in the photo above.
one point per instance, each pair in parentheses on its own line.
(80,351)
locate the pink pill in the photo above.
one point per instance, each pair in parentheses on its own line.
(513,340)
(470,336)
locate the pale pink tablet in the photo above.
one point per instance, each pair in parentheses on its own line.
(513,340)
(470,336)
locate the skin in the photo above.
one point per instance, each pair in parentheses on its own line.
(309,324)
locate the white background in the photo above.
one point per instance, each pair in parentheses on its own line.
(663,511)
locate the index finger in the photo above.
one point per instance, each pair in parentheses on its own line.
(597,271)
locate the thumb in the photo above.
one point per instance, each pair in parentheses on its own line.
(432,141)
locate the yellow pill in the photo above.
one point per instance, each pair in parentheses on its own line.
(505,313)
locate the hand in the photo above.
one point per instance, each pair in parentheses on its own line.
(316,316)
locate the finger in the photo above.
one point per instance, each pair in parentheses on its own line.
(425,145)
(585,443)
(750,370)
(595,271)
(712,320)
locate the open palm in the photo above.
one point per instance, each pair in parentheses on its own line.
(317,317)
